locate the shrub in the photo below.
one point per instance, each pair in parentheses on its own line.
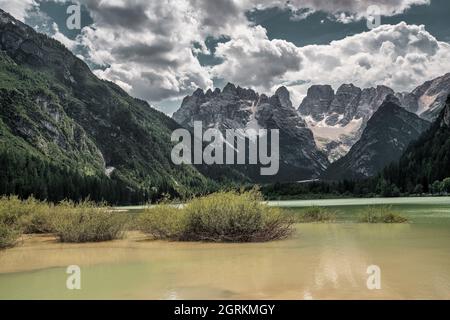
(36,216)
(10,229)
(317,214)
(381,214)
(163,222)
(87,222)
(31,215)
(220,217)
(8,235)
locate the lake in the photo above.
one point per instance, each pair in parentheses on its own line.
(321,261)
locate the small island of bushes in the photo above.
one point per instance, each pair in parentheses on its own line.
(220,217)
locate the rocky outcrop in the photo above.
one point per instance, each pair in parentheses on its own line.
(427,100)
(238,108)
(230,108)
(317,102)
(338,120)
(386,137)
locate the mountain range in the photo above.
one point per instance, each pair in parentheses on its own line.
(238,108)
(64,132)
(387,135)
(339,119)
(338,123)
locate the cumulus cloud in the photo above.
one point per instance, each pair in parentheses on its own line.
(19,8)
(146,46)
(251,58)
(150,47)
(343,10)
(400,56)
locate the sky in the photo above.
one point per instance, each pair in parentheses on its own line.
(161,51)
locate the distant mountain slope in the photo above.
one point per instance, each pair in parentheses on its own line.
(428,99)
(426,160)
(386,137)
(238,108)
(54,107)
(339,118)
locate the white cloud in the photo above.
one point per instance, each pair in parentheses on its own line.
(251,58)
(147,47)
(344,10)
(400,56)
(17,8)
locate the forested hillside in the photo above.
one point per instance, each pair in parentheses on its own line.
(66,133)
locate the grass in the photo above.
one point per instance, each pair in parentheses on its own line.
(220,217)
(381,214)
(316,214)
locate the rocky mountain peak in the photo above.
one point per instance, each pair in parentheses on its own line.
(391,99)
(317,102)
(199,93)
(428,99)
(240,108)
(230,89)
(387,135)
(346,99)
(247,94)
(284,96)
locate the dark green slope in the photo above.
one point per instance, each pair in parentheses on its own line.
(426,160)
(54,110)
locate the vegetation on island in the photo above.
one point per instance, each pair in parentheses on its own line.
(381,214)
(220,217)
(316,214)
(85,221)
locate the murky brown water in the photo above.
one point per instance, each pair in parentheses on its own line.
(322,261)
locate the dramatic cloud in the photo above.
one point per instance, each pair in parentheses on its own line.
(253,59)
(17,8)
(150,48)
(400,56)
(344,10)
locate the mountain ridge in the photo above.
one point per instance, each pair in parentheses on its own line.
(387,135)
(239,108)
(59,110)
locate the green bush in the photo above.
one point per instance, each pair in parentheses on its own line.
(87,222)
(381,214)
(10,228)
(163,222)
(317,214)
(32,216)
(8,235)
(36,216)
(220,217)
